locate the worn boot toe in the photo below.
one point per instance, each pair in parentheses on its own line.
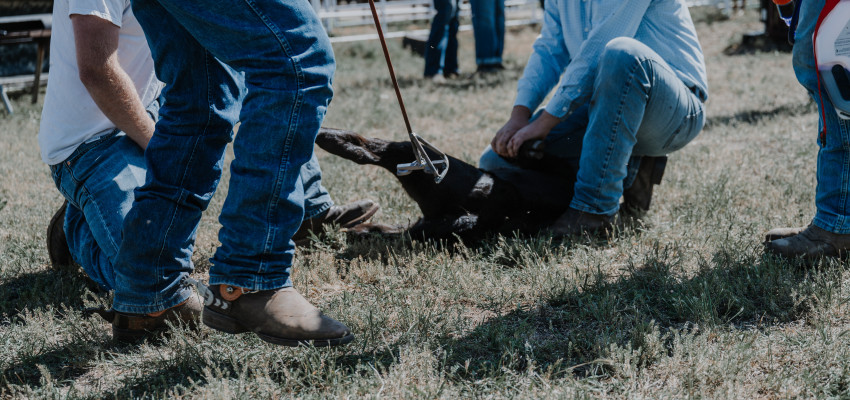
(782,233)
(810,244)
(283,317)
(577,223)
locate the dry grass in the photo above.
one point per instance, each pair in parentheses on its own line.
(683,306)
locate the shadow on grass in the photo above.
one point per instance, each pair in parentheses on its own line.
(754,116)
(573,332)
(41,289)
(66,362)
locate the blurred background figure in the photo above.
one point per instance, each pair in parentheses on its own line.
(738,6)
(441,48)
(488,25)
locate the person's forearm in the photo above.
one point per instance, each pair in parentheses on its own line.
(519,113)
(115,95)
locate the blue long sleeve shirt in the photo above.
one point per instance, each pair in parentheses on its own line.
(575,33)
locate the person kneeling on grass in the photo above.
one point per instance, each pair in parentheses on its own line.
(98,118)
(632,83)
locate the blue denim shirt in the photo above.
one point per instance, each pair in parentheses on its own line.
(575,33)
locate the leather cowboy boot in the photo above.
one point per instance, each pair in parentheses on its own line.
(132,328)
(57,243)
(280,316)
(782,233)
(345,217)
(638,196)
(577,223)
(810,244)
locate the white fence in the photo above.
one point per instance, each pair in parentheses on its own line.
(336,14)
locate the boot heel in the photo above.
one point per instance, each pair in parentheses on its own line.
(658,169)
(222,322)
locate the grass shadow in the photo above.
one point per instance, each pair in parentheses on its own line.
(65,362)
(755,116)
(39,290)
(573,332)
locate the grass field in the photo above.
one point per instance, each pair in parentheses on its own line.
(685,305)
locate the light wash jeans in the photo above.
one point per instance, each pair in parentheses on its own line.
(441,48)
(639,108)
(488,28)
(287,61)
(832,196)
(99,180)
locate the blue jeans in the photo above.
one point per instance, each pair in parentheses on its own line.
(832,196)
(563,141)
(317,200)
(441,48)
(639,107)
(488,28)
(287,62)
(99,180)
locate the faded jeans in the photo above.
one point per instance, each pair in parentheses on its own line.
(287,61)
(639,107)
(99,180)
(832,196)
(488,28)
(441,47)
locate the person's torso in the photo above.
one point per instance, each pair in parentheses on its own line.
(666,28)
(70,116)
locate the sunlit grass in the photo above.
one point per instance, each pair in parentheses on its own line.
(685,305)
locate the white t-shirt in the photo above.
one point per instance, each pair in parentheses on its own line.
(70,117)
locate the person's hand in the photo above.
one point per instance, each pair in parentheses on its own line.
(519,119)
(538,129)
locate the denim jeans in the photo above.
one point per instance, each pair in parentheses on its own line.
(441,48)
(563,141)
(639,107)
(832,196)
(98,180)
(287,62)
(488,28)
(317,200)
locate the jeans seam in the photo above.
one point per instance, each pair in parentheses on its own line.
(845,173)
(293,123)
(97,208)
(615,127)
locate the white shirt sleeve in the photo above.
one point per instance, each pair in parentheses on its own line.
(110,10)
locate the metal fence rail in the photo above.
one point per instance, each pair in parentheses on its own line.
(337,14)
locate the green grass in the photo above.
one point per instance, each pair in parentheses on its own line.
(684,305)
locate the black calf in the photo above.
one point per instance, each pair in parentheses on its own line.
(469,202)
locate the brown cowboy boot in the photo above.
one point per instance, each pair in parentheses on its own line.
(638,197)
(280,316)
(133,328)
(782,233)
(810,244)
(577,223)
(57,243)
(345,217)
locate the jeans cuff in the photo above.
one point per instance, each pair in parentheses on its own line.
(828,223)
(488,60)
(314,211)
(267,284)
(581,206)
(179,296)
